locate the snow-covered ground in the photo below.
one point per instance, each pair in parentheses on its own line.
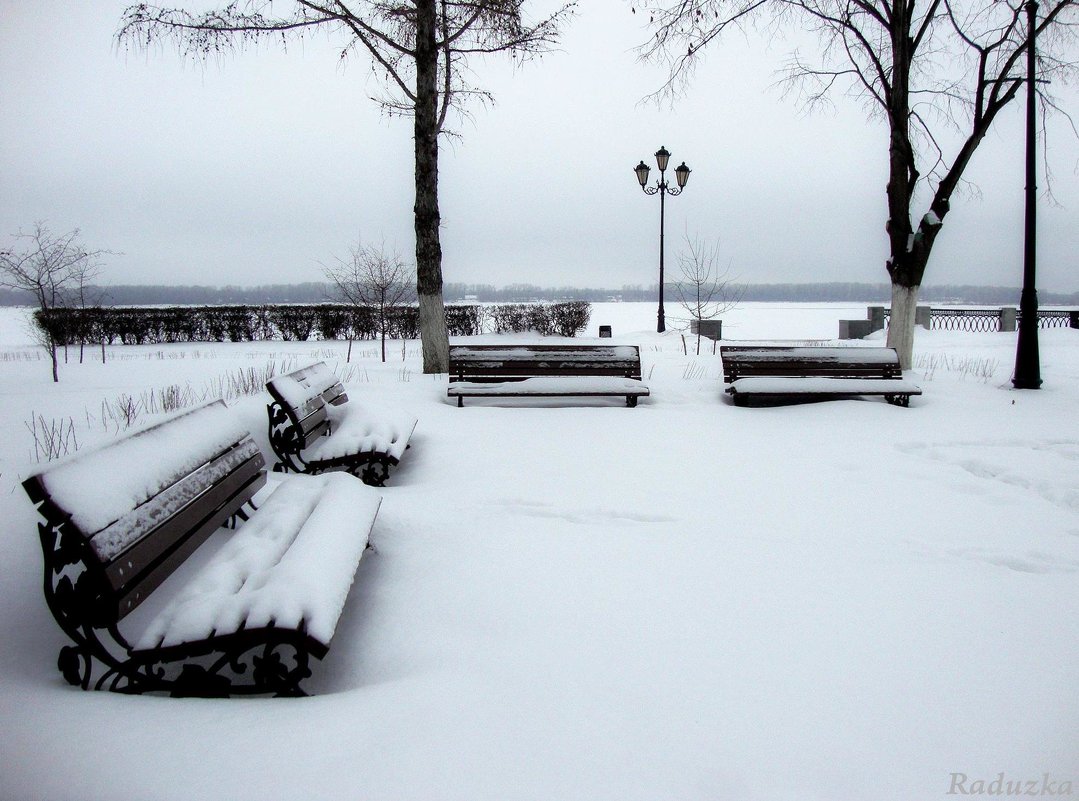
(577,600)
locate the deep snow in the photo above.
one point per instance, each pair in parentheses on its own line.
(572,599)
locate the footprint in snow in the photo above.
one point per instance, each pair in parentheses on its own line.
(1032,562)
(582,516)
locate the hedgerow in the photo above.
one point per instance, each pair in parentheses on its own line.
(151,325)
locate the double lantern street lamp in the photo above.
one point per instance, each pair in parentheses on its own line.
(662,188)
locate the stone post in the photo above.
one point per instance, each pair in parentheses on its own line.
(710,329)
(1007,318)
(854,329)
(875,315)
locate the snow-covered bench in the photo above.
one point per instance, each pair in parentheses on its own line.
(479,371)
(311,431)
(118,523)
(800,373)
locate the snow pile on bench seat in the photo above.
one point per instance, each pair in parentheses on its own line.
(553,385)
(290,565)
(360,429)
(782,385)
(100,486)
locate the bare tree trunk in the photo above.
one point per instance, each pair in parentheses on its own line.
(432,316)
(436,343)
(902,177)
(382,326)
(55,362)
(901,324)
(700,314)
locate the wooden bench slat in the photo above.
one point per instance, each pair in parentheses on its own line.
(812,353)
(134,593)
(501,373)
(313,426)
(840,371)
(782,385)
(551,386)
(335,395)
(130,568)
(528,350)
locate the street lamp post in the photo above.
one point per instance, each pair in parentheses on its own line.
(662,188)
(1027,360)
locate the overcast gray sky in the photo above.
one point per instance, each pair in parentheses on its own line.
(257,168)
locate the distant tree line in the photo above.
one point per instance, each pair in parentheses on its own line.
(194,295)
(316,292)
(293,322)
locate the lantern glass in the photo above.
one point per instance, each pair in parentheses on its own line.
(681,173)
(642,170)
(662,157)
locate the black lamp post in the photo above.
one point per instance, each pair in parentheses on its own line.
(662,188)
(1027,360)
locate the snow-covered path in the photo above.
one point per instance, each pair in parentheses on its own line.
(686,600)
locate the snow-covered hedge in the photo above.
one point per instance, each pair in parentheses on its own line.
(154,325)
(561,319)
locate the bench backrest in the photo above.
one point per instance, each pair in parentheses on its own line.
(745,361)
(303,395)
(130,512)
(488,363)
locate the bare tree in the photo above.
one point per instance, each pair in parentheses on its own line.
(419,51)
(54,268)
(939,73)
(371,278)
(705,289)
(85,295)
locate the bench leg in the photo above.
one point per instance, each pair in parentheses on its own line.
(460,401)
(631,401)
(374,473)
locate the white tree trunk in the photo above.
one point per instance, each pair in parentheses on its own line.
(901,324)
(433,334)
